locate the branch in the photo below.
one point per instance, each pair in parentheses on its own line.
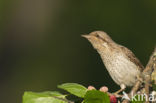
(148,71)
(153,77)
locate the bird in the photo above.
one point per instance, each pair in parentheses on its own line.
(122,65)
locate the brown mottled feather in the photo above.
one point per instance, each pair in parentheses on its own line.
(132,57)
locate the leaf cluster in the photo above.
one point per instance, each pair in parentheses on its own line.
(88,96)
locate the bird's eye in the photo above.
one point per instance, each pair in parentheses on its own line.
(97,36)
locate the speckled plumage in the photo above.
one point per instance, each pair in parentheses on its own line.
(120,62)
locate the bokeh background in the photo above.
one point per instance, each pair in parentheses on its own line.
(41,44)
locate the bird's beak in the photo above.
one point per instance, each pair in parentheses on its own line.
(86,36)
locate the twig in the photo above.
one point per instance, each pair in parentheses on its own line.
(148,70)
(147,73)
(153,77)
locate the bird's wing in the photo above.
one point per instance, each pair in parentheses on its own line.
(132,57)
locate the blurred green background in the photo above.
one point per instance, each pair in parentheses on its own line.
(41,43)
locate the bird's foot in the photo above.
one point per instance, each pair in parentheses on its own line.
(122,86)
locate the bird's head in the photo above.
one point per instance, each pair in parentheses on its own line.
(99,39)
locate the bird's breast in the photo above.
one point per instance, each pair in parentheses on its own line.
(120,68)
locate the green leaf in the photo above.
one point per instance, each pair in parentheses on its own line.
(95,96)
(43,97)
(154,86)
(74,88)
(138,99)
